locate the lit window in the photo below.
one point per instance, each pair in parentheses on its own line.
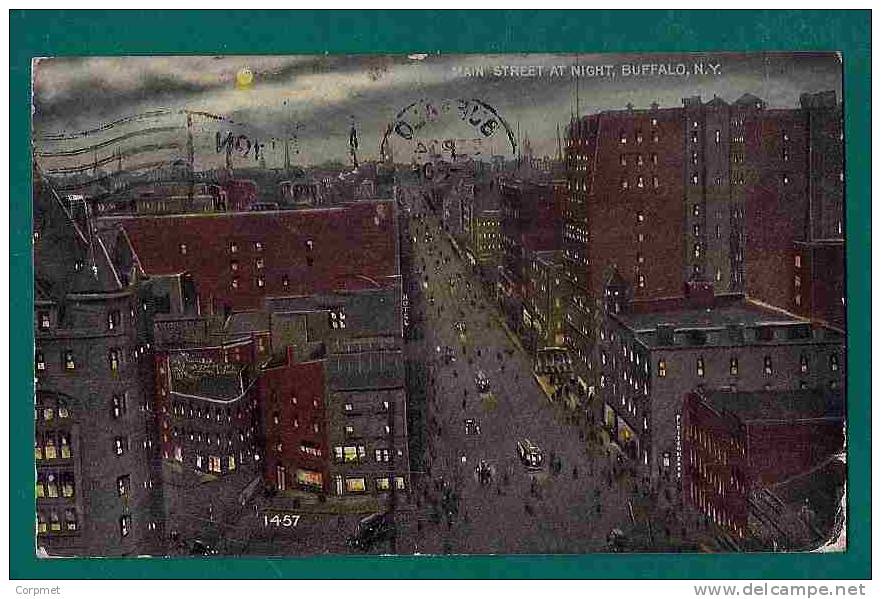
(718,136)
(113,358)
(259,263)
(655,182)
(45,323)
(622,137)
(68,360)
(768,366)
(662,368)
(234,283)
(732,366)
(833,362)
(803,364)
(261,282)
(798,261)
(40,360)
(694,179)
(285,281)
(182,248)
(639,182)
(118,405)
(355,485)
(624,184)
(70,519)
(120,445)
(639,137)
(125,525)
(700,366)
(258,246)
(642,281)
(233,247)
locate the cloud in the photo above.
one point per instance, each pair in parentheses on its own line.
(326,93)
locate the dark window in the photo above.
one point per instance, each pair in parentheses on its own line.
(123,485)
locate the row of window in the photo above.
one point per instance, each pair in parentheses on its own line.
(358,484)
(358,453)
(641,183)
(48,413)
(622,136)
(114,360)
(350,430)
(623,159)
(114,319)
(733,368)
(49,521)
(183,249)
(55,484)
(52,446)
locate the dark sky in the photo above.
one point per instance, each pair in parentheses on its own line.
(319,97)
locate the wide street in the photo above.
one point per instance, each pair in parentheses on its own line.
(571,508)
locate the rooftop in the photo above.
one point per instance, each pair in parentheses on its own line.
(237,259)
(778,405)
(730,321)
(741,312)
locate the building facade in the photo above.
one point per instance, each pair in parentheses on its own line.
(739,196)
(737,447)
(98,489)
(652,353)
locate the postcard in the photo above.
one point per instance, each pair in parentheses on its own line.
(439,304)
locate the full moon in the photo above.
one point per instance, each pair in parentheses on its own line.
(244,77)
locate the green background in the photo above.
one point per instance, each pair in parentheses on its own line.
(53,33)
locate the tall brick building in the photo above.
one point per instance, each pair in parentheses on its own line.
(653,353)
(98,485)
(743,197)
(739,449)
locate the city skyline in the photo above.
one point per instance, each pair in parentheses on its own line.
(315,100)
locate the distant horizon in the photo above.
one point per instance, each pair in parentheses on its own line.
(314,102)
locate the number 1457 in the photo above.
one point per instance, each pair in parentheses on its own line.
(286,520)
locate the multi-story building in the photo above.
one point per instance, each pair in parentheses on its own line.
(310,304)
(747,198)
(236,260)
(652,353)
(738,448)
(98,487)
(531,208)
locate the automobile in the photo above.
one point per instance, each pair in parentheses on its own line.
(373,529)
(481,381)
(472,427)
(530,454)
